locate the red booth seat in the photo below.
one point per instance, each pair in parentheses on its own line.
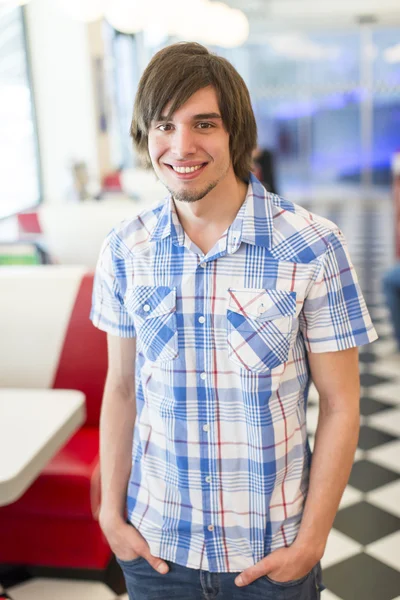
(28,222)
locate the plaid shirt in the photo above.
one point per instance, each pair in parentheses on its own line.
(220,463)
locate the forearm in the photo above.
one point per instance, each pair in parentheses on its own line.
(335,444)
(116,434)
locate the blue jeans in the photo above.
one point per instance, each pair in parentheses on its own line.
(182,583)
(391,289)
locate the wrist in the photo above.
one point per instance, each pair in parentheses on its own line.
(312,549)
(110,519)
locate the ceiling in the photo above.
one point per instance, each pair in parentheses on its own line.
(267,15)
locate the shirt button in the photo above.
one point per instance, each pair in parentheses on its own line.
(146,307)
(210,528)
(203,375)
(206,427)
(202,319)
(203,265)
(208,479)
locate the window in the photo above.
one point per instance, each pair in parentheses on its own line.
(327,104)
(19,155)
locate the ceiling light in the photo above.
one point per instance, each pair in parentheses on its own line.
(392,54)
(236,31)
(85,11)
(129,16)
(215,24)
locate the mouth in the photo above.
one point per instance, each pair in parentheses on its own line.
(187,172)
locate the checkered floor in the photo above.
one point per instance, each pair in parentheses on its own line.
(362,558)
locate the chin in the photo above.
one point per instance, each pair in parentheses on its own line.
(187,195)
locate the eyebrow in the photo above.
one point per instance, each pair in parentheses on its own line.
(201,116)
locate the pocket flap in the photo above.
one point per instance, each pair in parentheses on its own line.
(152,301)
(262,304)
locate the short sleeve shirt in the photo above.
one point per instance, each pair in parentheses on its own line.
(220,458)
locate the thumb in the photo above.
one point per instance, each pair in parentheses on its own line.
(158,564)
(140,546)
(256,571)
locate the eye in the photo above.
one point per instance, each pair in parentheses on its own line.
(204,125)
(165,127)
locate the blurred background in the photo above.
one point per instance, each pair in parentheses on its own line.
(324,79)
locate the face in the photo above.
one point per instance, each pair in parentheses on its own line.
(190,153)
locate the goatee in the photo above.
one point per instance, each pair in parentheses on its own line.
(194,196)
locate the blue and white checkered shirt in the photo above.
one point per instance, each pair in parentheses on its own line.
(220,463)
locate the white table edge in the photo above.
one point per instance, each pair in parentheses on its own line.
(16,486)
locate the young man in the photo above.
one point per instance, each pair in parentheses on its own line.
(391,289)
(221,304)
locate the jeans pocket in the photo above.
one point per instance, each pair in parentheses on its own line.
(291,583)
(129,563)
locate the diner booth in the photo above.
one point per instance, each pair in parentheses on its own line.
(50,346)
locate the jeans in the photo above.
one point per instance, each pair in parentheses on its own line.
(391,289)
(182,583)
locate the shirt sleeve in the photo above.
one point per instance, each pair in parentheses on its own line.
(334,315)
(108,312)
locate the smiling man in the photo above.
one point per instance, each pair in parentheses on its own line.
(221,305)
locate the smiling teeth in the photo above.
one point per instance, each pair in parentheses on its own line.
(186,169)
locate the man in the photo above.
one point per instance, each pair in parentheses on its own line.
(221,304)
(391,289)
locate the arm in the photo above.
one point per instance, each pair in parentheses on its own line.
(336,377)
(118,413)
(117,421)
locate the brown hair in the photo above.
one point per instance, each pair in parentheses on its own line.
(173,75)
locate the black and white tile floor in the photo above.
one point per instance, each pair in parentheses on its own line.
(362,558)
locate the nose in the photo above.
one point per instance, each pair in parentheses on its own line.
(183,142)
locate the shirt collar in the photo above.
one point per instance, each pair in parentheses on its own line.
(253,224)
(163,225)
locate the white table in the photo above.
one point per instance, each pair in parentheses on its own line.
(34,425)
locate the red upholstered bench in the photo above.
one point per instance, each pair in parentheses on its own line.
(44,316)
(28,222)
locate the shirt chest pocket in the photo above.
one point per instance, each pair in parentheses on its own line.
(154,313)
(260,326)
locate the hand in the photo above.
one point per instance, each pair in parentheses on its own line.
(127,543)
(285,564)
